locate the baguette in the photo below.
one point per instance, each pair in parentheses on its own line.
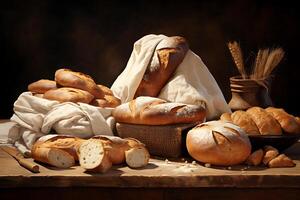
(244,120)
(108,101)
(226,117)
(42,86)
(154,111)
(168,54)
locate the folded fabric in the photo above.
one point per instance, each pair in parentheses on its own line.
(35,117)
(192,83)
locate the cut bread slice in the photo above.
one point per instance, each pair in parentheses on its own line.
(137,157)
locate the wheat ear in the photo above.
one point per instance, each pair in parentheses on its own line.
(237,56)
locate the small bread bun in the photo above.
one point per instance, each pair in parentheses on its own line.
(41,86)
(218,143)
(68,78)
(67,94)
(108,101)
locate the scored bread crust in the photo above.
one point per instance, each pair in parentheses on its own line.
(168,54)
(69,78)
(287,122)
(67,94)
(244,120)
(41,86)
(218,143)
(265,122)
(108,101)
(154,111)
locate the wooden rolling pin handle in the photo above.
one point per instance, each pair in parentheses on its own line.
(29,165)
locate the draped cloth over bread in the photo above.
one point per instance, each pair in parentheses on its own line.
(35,117)
(192,83)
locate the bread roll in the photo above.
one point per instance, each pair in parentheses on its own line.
(226,117)
(287,122)
(66,94)
(154,111)
(68,78)
(255,158)
(42,86)
(266,124)
(168,54)
(218,143)
(269,154)
(108,101)
(281,161)
(105,90)
(243,120)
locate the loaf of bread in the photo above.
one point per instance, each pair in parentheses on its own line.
(99,153)
(58,151)
(218,143)
(109,101)
(69,78)
(265,122)
(154,111)
(226,117)
(106,90)
(169,53)
(287,122)
(67,94)
(42,86)
(244,120)
(255,158)
(281,161)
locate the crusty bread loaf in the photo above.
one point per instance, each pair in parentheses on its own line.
(108,101)
(281,161)
(66,94)
(244,120)
(255,158)
(105,90)
(154,111)
(69,78)
(269,154)
(226,117)
(41,86)
(168,54)
(266,124)
(218,143)
(287,122)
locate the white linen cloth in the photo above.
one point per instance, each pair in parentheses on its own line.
(192,83)
(35,117)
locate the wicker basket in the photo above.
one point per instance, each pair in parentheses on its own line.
(165,141)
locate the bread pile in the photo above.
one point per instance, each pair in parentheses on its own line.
(70,86)
(269,156)
(259,121)
(96,154)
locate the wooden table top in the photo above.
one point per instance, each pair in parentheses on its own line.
(159,173)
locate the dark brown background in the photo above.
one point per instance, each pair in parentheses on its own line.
(96,37)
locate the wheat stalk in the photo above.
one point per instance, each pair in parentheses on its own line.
(274,59)
(261,59)
(237,56)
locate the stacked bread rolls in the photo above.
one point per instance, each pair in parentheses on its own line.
(259,121)
(70,86)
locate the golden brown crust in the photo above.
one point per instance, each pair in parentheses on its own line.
(287,122)
(67,94)
(169,53)
(281,161)
(226,117)
(108,101)
(269,154)
(42,86)
(255,158)
(69,78)
(105,90)
(243,120)
(154,111)
(266,124)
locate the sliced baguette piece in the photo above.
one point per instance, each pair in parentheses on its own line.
(281,161)
(270,153)
(255,158)
(137,157)
(52,156)
(93,156)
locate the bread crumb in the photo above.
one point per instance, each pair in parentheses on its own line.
(194,163)
(229,167)
(167,161)
(207,165)
(186,162)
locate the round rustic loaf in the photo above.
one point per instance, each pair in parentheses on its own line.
(41,86)
(66,94)
(69,78)
(218,143)
(154,111)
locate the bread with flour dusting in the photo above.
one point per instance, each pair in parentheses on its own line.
(154,111)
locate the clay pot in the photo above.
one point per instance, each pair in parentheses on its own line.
(247,93)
